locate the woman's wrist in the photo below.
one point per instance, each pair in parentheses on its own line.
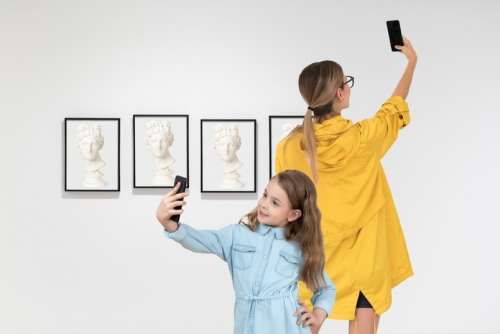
(412,62)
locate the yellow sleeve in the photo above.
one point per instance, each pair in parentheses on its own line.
(278,163)
(378,133)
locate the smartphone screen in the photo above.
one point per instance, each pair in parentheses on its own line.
(395,36)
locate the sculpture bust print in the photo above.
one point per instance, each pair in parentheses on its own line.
(227,143)
(159,138)
(90,142)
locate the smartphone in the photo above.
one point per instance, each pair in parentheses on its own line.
(395,36)
(182,189)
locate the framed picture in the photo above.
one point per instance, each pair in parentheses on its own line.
(161,150)
(279,128)
(228,155)
(92,154)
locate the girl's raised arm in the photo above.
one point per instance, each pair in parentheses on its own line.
(218,242)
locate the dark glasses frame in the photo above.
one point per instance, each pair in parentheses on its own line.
(349,81)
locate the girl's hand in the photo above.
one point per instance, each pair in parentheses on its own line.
(407,50)
(166,208)
(312,319)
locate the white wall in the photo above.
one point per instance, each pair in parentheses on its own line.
(96,263)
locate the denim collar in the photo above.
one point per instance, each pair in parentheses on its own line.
(278,232)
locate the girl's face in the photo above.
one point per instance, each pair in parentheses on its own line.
(274,208)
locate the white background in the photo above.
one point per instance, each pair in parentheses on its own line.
(98,263)
(213,165)
(145,164)
(76,163)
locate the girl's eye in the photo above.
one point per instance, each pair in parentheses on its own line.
(265,195)
(275,203)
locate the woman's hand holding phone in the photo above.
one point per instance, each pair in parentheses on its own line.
(408,51)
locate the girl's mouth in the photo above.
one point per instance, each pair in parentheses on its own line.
(262,214)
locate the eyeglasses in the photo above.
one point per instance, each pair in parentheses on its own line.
(349,81)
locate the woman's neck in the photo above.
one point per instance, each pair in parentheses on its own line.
(328,116)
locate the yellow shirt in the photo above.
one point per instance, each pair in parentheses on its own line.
(365,249)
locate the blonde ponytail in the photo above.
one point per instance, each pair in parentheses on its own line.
(318,85)
(310,142)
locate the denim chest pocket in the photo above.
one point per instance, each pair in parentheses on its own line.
(288,264)
(242,256)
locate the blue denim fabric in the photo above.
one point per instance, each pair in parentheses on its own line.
(265,269)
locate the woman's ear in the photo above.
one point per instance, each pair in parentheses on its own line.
(340,94)
(294,215)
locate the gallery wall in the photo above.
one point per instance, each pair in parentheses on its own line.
(80,262)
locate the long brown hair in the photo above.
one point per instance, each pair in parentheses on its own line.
(318,84)
(306,230)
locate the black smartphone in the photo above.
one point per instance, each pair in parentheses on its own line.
(395,36)
(182,189)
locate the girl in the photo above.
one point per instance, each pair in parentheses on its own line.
(272,247)
(364,243)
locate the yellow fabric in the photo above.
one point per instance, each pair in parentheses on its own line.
(365,249)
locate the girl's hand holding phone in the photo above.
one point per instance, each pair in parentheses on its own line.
(167,206)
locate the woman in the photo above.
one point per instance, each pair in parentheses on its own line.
(365,250)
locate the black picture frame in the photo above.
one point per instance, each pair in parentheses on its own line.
(67,186)
(135,117)
(204,189)
(272,144)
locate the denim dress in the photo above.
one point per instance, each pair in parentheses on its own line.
(265,269)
